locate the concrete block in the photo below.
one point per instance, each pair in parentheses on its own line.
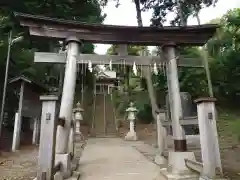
(176,162)
(177,170)
(58,176)
(166,175)
(131,136)
(66,163)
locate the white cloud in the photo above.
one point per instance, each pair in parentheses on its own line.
(125,14)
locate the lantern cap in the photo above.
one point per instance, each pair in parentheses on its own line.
(131,108)
(78,107)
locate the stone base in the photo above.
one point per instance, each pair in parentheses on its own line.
(65,159)
(165,175)
(58,176)
(176,162)
(131,136)
(160,160)
(78,133)
(177,169)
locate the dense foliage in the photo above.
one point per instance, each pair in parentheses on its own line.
(224,61)
(21,62)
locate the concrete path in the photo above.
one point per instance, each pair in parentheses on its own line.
(114,159)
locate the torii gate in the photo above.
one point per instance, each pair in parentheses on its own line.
(75,33)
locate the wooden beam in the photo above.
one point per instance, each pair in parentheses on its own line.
(116,59)
(192,121)
(110,34)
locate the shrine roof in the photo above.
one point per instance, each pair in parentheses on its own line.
(195,35)
(32,85)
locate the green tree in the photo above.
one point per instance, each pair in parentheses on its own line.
(132,50)
(225,49)
(161,8)
(22,52)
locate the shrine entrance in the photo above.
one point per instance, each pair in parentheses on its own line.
(168,39)
(104,120)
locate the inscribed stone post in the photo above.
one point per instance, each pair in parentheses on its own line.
(208,137)
(47,138)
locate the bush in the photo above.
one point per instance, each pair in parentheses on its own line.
(145,115)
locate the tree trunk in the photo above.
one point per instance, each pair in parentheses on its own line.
(146,69)
(198,18)
(139,15)
(183,20)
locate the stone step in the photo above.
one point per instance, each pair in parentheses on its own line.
(103,127)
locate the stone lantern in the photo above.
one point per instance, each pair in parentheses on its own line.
(131,116)
(78,117)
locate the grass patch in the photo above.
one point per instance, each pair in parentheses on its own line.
(228,127)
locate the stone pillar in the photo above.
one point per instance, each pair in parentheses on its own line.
(208,137)
(131,135)
(48,136)
(161,138)
(177,168)
(18,121)
(180,144)
(66,106)
(36,131)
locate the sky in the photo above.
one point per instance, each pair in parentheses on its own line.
(125,14)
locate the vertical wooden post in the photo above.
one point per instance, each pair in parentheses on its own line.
(18,121)
(104,110)
(35,136)
(46,156)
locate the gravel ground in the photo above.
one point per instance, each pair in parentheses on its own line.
(21,165)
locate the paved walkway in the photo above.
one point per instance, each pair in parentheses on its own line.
(114,159)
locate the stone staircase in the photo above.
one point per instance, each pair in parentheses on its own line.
(103,118)
(110,116)
(98,116)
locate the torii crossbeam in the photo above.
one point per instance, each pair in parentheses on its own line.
(196,35)
(115,59)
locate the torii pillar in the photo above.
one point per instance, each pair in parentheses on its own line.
(62,137)
(176,158)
